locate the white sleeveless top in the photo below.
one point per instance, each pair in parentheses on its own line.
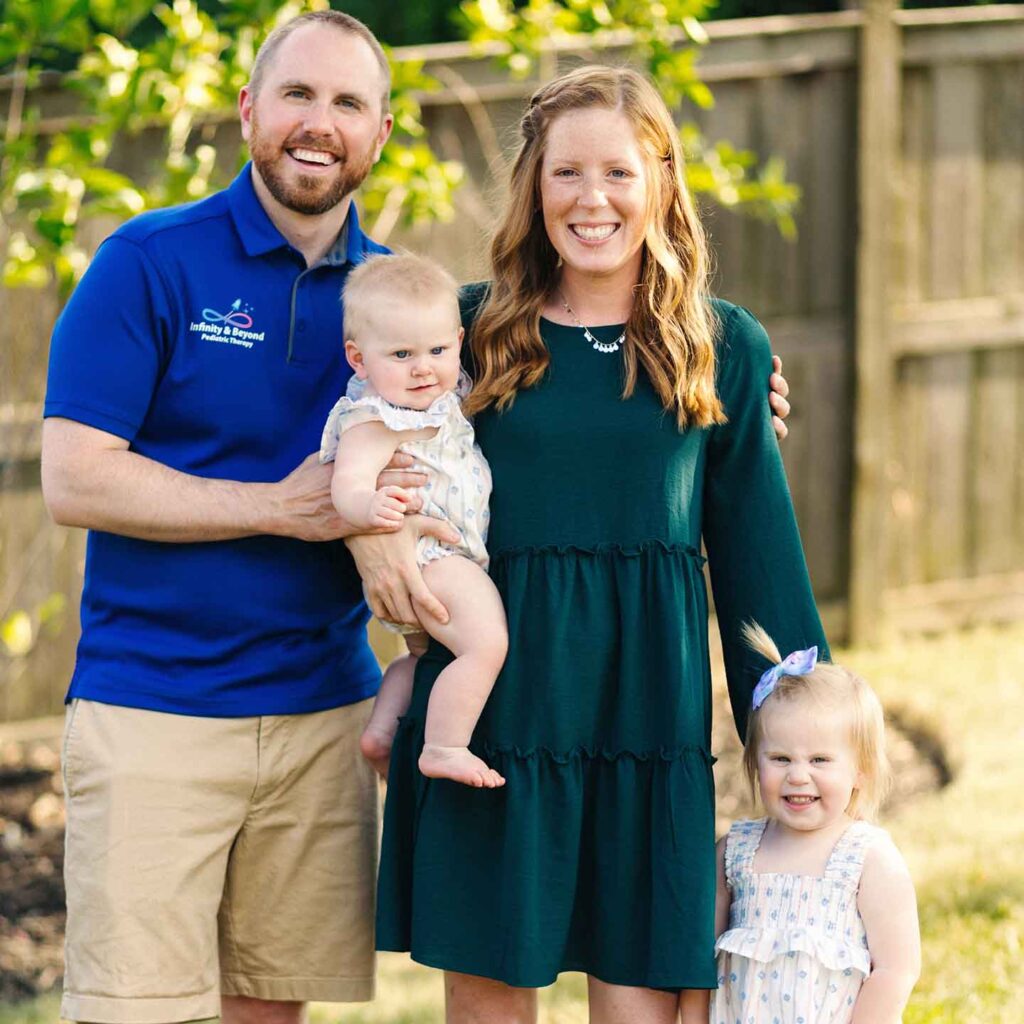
(795,951)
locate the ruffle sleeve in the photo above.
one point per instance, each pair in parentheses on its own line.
(358,407)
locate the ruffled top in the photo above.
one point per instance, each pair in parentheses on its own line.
(361,404)
(774,914)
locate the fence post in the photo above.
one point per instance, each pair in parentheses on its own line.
(877,160)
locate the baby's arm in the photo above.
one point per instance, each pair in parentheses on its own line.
(363,452)
(888,907)
(695,1003)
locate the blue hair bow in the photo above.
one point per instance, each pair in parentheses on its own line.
(799,663)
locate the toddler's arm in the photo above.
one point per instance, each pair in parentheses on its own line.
(888,907)
(363,452)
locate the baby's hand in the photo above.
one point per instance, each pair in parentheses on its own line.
(388,507)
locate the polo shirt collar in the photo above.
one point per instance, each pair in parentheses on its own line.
(260,236)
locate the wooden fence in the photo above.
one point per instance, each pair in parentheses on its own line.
(899,310)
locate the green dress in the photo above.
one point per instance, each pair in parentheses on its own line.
(598,853)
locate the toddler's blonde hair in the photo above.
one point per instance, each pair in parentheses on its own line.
(382,280)
(838,691)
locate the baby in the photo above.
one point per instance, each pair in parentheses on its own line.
(402,339)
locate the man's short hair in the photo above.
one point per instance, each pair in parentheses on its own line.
(381,280)
(335,19)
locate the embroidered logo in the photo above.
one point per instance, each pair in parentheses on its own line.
(231,328)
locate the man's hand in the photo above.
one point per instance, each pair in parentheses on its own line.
(777,399)
(302,504)
(394,586)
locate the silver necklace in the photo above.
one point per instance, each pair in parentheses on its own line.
(596,343)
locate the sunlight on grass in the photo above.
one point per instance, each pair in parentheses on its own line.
(965,844)
(965,847)
(410,994)
(36,1011)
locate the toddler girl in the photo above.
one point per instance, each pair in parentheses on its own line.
(403,336)
(817,918)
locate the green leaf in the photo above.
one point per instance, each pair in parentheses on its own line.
(119,17)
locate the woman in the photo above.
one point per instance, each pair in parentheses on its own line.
(622,412)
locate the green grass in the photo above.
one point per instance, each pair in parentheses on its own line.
(36,1011)
(965,847)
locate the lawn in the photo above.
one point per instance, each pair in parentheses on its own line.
(965,847)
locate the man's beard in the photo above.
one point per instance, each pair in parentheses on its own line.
(307,194)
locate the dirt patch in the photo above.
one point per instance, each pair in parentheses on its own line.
(32,837)
(31,865)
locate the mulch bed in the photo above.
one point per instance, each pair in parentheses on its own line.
(32,838)
(31,863)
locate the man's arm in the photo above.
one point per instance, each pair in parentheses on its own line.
(90,479)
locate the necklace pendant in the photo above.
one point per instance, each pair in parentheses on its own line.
(595,343)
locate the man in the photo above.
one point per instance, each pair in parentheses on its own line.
(222,827)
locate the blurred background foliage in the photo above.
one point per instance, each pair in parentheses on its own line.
(177,67)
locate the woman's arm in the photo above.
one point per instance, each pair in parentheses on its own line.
(888,907)
(367,448)
(754,553)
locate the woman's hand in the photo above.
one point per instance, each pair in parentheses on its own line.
(392,581)
(777,398)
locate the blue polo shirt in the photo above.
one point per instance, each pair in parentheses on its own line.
(199,336)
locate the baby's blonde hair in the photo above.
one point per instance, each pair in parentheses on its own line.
(377,283)
(838,691)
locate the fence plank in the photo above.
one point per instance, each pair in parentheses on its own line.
(956,180)
(1004,178)
(908,440)
(911,240)
(948,400)
(994,510)
(827,224)
(878,151)
(784,116)
(959,325)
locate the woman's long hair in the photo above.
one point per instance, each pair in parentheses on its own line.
(671,329)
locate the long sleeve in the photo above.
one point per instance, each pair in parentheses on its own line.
(757,565)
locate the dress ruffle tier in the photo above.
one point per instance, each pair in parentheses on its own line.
(588,854)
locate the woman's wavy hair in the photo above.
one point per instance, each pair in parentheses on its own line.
(671,329)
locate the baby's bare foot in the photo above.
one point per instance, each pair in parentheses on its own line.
(375,746)
(459,765)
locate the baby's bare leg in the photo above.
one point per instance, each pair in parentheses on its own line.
(392,702)
(477,635)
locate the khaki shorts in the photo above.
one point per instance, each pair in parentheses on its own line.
(215,855)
